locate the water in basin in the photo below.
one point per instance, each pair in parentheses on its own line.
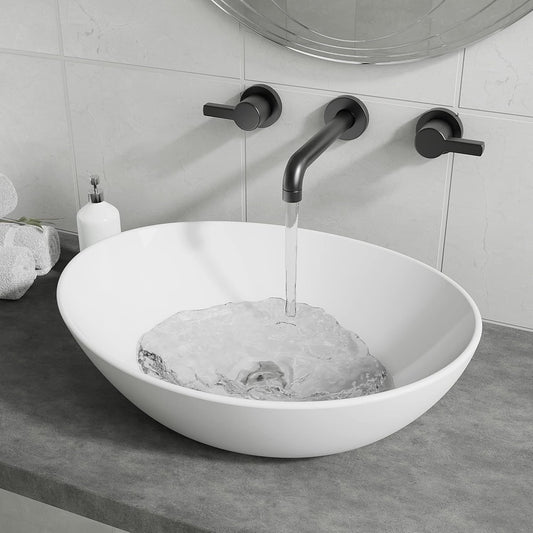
(273,349)
(253,350)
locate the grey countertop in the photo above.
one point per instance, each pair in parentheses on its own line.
(69,439)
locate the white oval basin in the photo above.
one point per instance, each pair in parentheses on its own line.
(420,324)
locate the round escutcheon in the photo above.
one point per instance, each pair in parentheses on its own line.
(271,96)
(356,108)
(441,113)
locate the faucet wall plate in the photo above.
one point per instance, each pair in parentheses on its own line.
(346,117)
(259,107)
(356,108)
(441,113)
(440,131)
(271,96)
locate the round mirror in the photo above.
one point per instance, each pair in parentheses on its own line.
(375,31)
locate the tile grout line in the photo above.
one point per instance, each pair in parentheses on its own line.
(397,101)
(445,213)
(244,188)
(460,80)
(449,170)
(507,325)
(29,53)
(102,62)
(69,232)
(149,68)
(498,114)
(73,162)
(390,99)
(244,182)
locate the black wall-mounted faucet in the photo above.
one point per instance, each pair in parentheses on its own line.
(346,118)
(260,107)
(440,131)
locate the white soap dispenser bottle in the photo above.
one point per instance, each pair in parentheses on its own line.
(97,219)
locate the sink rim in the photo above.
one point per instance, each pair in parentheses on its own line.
(463,358)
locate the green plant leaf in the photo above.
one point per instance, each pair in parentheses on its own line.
(24,221)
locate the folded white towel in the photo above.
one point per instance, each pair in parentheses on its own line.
(43,244)
(17,272)
(8,196)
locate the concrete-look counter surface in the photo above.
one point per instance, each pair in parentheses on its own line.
(69,439)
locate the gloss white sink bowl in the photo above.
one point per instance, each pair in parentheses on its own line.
(420,324)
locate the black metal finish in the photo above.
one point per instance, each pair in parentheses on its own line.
(346,118)
(356,108)
(260,107)
(440,131)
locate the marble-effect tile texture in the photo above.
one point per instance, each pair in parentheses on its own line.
(34,139)
(498,74)
(144,133)
(490,227)
(188,35)
(69,439)
(29,25)
(431,81)
(117,88)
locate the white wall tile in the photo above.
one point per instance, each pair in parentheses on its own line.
(160,159)
(431,80)
(489,240)
(498,73)
(35,150)
(375,188)
(29,25)
(189,35)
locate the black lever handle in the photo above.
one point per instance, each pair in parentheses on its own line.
(440,131)
(260,107)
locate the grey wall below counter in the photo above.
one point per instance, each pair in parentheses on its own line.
(116,88)
(19,514)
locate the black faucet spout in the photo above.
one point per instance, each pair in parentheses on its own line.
(309,152)
(346,118)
